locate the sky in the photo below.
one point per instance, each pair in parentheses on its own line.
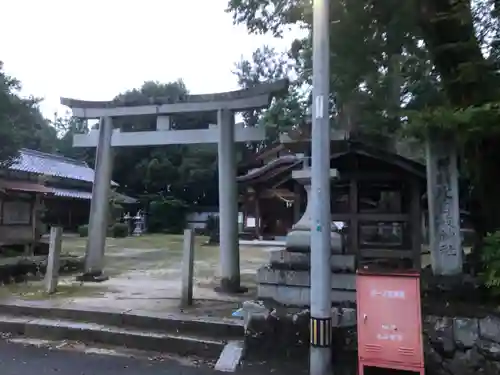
(93,50)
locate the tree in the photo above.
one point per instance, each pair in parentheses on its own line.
(287,109)
(67,127)
(170,178)
(21,122)
(425,55)
(377,59)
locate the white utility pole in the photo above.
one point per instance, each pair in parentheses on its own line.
(321,303)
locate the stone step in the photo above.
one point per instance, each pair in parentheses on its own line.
(290,260)
(269,275)
(136,319)
(148,340)
(299,296)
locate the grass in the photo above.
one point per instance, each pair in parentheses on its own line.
(35,290)
(171,242)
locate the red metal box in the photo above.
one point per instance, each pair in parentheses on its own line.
(389,321)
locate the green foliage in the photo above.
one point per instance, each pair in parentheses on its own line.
(287,109)
(119,230)
(21,122)
(405,70)
(472,122)
(115,212)
(490,257)
(66,128)
(167,214)
(378,62)
(185,173)
(83,230)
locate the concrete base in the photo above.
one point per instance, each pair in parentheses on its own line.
(282,259)
(283,334)
(94,277)
(231,286)
(268,275)
(299,295)
(300,241)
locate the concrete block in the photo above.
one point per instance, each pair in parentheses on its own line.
(268,275)
(285,259)
(489,328)
(230,356)
(300,241)
(299,296)
(466,332)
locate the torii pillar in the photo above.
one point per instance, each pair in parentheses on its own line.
(228,205)
(99,205)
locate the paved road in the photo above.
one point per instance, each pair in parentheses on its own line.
(20,359)
(16,359)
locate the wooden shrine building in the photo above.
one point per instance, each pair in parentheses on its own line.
(377,197)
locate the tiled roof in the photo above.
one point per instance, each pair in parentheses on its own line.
(26,186)
(67,193)
(87,195)
(53,165)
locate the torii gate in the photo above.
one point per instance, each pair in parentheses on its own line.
(225,134)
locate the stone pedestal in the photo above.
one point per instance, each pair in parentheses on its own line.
(286,279)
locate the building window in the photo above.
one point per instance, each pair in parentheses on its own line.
(16,213)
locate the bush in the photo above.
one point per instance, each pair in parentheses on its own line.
(166,215)
(490,259)
(119,230)
(83,230)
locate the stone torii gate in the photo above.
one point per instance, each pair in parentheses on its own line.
(225,134)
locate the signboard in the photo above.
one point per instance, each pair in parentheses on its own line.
(16,213)
(389,321)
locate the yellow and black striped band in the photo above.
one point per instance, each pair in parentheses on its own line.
(321,332)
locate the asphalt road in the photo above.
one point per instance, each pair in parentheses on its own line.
(17,359)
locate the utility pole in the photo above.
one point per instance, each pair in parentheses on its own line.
(321,303)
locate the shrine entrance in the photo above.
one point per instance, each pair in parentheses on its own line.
(225,133)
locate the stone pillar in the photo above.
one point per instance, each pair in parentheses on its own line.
(228,205)
(445,242)
(299,238)
(53,260)
(99,207)
(187,268)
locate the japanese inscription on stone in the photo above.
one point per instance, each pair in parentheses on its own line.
(444,218)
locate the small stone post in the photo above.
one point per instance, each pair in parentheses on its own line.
(187,268)
(52,272)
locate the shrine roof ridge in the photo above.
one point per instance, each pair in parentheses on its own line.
(288,160)
(269,88)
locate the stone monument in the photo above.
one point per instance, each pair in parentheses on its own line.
(444,210)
